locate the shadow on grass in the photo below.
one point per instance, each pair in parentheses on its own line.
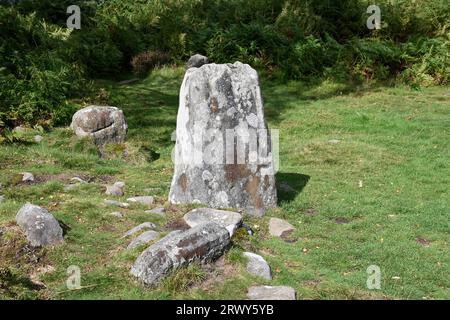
(290,185)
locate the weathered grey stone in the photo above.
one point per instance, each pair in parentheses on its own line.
(204,243)
(143,238)
(38,138)
(227,219)
(196,61)
(271,293)
(220,122)
(104,124)
(279,227)
(145,200)
(117,204)
(258,266)
(116,189)
(159,211)
(142,226)
(77,180)
(334,141)
(27,177)
(40,227)
(116,214)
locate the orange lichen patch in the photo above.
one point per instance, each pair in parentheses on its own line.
(182,182)
(236,172)
(252,189)
(214,105)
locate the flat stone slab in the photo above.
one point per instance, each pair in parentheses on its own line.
(279,227)
(39,225)
(143,238)
(271,293)
(258,266)
(145,200)
(159,211)
(117,204)
(142,226)
(227,219)
(203,243)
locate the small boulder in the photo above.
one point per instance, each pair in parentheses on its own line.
(197,60)
(143,238)
(116,214)
(40,227)
(145,200)
(227,219)
(279,227)
(159,211)
(38,138)
(142,226)
(203,243)
(271,293)
(104,124)
(116,189)
(257,266)
(27,177)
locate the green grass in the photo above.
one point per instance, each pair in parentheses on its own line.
(387,178)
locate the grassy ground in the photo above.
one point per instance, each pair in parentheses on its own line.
(378,196)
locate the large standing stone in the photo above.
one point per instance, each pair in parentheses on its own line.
(227,219)
(40,227)
(271,293)
(223,153)
(104,124)
(204,243)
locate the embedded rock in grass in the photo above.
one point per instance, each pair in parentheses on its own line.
(116,214)
(143,238)
(257,266)
(40,227)
(223,152)
(159,211)
(203,243)
(145,200)
(116,189)
(271,293)
(38,138)
(142,226)
(27,177)
(117,204)
(227,219)
(197,60)
(104,124)
(280,227)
